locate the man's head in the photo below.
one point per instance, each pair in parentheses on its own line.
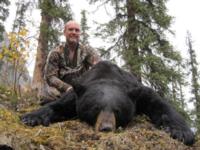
(72,31)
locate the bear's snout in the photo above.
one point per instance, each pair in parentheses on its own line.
(106,122)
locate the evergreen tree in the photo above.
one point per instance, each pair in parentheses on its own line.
(138,33)
(181,83)
(178,84)
(84,28)
(195,86)
(54,13)
(3,15)
(20,19)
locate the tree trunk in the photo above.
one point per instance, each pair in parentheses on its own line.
(42,51)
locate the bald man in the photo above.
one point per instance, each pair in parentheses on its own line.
(67,61)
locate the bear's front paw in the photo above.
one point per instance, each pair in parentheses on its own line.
(178,129)
(185,136)
(41,117)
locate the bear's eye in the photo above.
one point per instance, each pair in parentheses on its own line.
(96,108)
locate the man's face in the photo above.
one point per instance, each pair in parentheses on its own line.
(72,32)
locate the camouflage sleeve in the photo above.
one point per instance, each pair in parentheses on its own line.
(52,72)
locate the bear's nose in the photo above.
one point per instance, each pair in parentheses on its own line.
(106,127)
(105,122)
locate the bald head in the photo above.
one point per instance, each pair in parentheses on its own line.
(72,31)
(71,23)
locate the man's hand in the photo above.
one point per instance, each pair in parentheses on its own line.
(69,88)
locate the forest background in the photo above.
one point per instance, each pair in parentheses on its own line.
(156,39)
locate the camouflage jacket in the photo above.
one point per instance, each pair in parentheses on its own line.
(59,66)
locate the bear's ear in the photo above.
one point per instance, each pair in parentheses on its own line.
(134,92)
(79,89)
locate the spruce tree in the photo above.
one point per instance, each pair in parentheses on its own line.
(195,86)
(20,18)
(84,28)
(137,33)
(4,12)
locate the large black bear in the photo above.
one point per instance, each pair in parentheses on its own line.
(108,97)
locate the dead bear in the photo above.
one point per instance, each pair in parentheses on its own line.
(108,97)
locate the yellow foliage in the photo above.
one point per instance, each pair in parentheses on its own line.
(1,56)
(23,32)
(17,50)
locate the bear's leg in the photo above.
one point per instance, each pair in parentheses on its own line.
(59,110)
(161,113)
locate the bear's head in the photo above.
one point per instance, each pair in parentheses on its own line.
(104,104)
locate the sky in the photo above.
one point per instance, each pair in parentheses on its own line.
(185,13)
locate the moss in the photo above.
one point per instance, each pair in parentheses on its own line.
(75,135)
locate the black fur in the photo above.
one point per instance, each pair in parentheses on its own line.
(106,87)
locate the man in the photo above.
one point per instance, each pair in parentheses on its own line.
(68,61)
